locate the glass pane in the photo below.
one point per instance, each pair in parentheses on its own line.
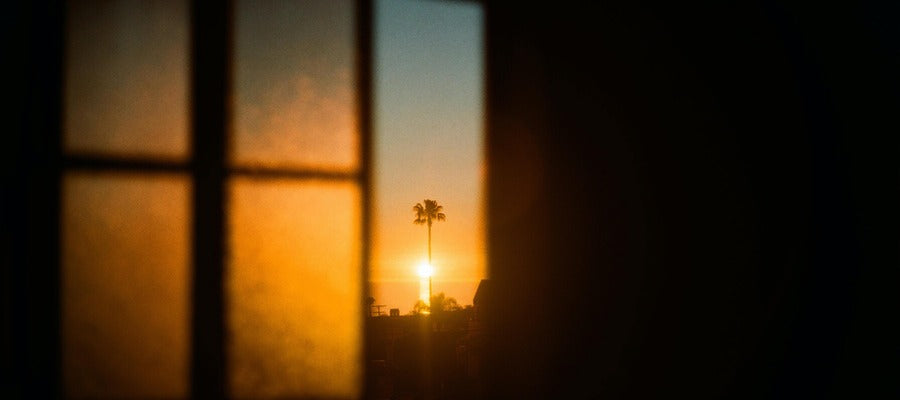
(126,78)
(294,289)
(428,144)
(125,285)
(295,84)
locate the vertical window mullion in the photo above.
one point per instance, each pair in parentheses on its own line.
(364,26)
(210,87)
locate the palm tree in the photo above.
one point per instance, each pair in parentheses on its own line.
(426,215)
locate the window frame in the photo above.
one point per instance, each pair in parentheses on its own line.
(210,59)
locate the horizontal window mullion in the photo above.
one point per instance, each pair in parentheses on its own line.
(100,163)
(95,163)
(287,173)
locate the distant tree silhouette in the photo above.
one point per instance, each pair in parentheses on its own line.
(426,215)
(419,308)
(439,303)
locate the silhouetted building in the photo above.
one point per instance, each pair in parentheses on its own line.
(411,353)
(377,310)
(471,350)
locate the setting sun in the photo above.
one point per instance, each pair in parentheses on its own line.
(425,270)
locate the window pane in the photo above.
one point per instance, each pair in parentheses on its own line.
(294,84)
(294,289)
(126,78)
(428,144)
(125,285)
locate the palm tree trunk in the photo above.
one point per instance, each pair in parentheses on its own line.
(429,264)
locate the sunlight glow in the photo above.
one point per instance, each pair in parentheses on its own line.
(423,291)
(425,270)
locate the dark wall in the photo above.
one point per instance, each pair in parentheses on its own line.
(693,200)
(29,200)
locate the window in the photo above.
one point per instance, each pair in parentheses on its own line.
(215,197)
(294,267)
(199,259)
(126,201)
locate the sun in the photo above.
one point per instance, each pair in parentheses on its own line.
(425,270)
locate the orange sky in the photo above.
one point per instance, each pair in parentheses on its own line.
(428,144)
